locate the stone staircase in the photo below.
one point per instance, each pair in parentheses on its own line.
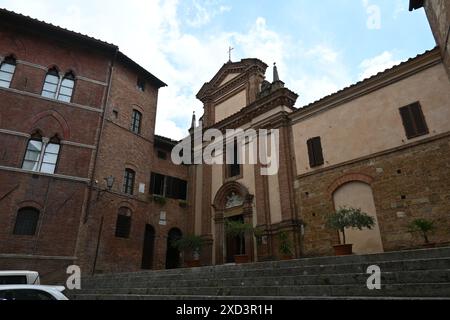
(411,274)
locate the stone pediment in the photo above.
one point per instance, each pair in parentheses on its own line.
(230,76)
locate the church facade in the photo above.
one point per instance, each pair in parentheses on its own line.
(355,148)
(85,181)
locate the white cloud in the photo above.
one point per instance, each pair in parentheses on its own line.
(152,33)
(372,66)
(201,13)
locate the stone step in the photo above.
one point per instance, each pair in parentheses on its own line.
(239,298)
(427,276)
(354,259)
(392,290)
(120,281)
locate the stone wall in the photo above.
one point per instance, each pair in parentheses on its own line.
(408,183)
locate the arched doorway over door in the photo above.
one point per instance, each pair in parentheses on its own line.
(232,202)
(359,195)
(149,248)
(173,258)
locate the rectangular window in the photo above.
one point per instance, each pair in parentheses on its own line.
(141,84)
(157,184)
(414,120)
(128,183)
(234,169)
(168,187)
(162,155)
(315,152)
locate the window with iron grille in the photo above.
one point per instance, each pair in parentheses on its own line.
(26,222)
(128,183)
(123,225)
(7,69)
(414,120)
(315,152)
(41,155)
(136,122)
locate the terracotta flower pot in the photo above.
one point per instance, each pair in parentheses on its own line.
(286,257)
(343,250)
(192,263)
(240,259)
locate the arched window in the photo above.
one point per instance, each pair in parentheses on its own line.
(26,222)
(7,69)
(41,154)
(66,88)
(128,182)
(51,83)
(58,88)
(123,225)
(136,122)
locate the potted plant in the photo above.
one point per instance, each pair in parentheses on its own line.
(285,246)
(240,230)
(348,218)
(192,244)
(183,203)
(159,199)
(424,227)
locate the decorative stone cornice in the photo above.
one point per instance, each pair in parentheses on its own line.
(281,97)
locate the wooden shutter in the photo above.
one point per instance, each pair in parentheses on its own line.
(408,122)
(413,120)
(318,153)
(419,119)
(311,153)
(315,152)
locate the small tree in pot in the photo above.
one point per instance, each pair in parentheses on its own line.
(348,218)
(285,246)
(192,244)
(424,227)
(240,230)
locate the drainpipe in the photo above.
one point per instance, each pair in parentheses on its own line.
(97,148)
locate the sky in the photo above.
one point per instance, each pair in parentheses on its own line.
(319,46)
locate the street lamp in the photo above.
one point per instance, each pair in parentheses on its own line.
(109,185)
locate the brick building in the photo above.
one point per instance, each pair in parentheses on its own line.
(84,179)
(74,111)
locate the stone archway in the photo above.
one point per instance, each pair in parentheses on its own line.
(232,201)
(358,194)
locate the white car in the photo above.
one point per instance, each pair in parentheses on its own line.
(19,277)
(31,292)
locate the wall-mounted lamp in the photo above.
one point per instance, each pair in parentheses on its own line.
(109,185)
(110,182)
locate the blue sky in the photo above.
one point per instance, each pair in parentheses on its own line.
(320,46)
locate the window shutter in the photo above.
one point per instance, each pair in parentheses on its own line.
(311,153)
(407,121)
(315,152)
(419,119)
(318,153)
(413,120)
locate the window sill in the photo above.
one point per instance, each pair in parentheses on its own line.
(70,104)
